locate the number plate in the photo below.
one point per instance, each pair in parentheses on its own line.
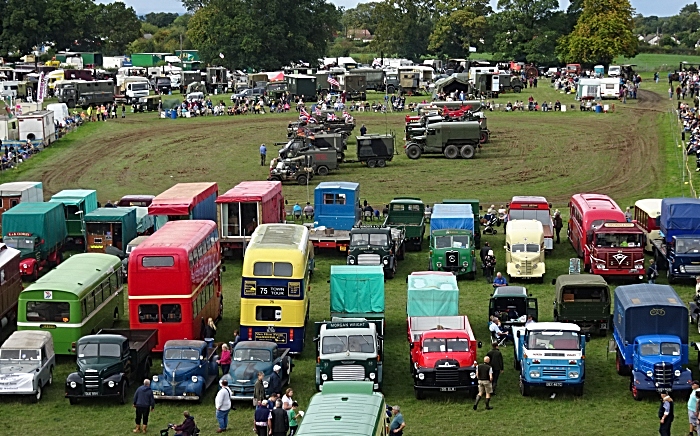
(554,384)
(343,248)
(91,394)
(448,389)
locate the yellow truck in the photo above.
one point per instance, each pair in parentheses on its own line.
(525,250)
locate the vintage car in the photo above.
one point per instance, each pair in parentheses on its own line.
(251,357)
(189,368)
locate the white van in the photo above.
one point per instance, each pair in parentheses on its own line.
(613,71)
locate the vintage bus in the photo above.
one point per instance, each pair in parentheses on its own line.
(275,285)
(245,206)
(534,208)
(344,408)
(79,297)
(600,234)
(185,201)
(175,281)
(646,214)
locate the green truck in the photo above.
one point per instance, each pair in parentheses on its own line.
(351,345)
(109,361)
(78,203)
(452,139)
(408,214)
(380,246)
(110,227)
(476,210)
(583,299)
(452,240)
(38,231)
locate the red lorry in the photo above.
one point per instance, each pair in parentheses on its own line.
(443,354)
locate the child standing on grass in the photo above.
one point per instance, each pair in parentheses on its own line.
(294,416)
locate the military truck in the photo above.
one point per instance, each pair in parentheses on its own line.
(382,246)
(409,82)
(509,82)
(452,139)
(38,231)
(324,159)
(354,86)
(583,299)
(408,214)
(109,361)
(375,150)
(299,169)
(85,93)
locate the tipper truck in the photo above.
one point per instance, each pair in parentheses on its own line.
(678,251)
(38,231)
(351,345)
(650,332)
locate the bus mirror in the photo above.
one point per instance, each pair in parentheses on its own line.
(550,205)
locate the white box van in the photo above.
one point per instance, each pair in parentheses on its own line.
(614,71)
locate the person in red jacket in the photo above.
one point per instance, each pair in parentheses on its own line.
(225,359)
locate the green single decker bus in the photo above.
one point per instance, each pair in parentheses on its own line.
(79,297)
(345,409)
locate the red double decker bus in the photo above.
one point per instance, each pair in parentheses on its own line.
(600,234)
(175,281)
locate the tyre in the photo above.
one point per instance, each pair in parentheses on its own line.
(371,163)
(524,389)
(390,89)
(467,152)
(302,180)
(59,258)
(35,275)
(122,396)
(636,394)
(578,391)
(413,151)
(36,396)
(483,137)
(390,273)
(73,401)
(322,170)
(275,179)
(381,163)
(50,381)
(517,90)
(420,395)
(70,103)
(451,152)
(620,366)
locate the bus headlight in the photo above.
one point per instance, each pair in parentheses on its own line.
(110,384)
(677,373)
(155,378)
(324,377)
(372,376)
(535,374)
(73,385)
(421,376)
(194,379)
(573,374)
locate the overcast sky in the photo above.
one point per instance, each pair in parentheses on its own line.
(645,7)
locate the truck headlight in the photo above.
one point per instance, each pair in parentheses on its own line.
(439,264)
(155,378)
(421,376)
(677,373)
(73,385)
(534,265)
(650,374)
(682,268)
(517,265)
(465,264)
(573,374)
(385,261)
(194,379)
(472,375)
(324,377)
(351,260)
(110,384)
(265,384)
(535,374)
(372,375)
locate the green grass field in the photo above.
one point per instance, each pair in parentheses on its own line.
(650,62)
(627,154)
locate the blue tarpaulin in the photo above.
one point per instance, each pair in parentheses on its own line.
(679,216)
(452,216)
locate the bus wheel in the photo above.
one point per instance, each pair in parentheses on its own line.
(115,316)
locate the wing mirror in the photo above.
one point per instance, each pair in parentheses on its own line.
(479,344)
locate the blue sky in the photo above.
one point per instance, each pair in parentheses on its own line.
(645,7)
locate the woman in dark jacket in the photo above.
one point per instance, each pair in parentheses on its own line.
(187,427)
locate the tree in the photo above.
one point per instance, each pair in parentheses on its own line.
(363,16)
(603,32)
(118,26)
(23,27)
(160,19)
(194,5)
(403,28)
(461,24)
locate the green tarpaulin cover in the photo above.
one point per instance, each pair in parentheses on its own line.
(432,294)
(357,289)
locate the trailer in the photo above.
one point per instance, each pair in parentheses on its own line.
(37,125)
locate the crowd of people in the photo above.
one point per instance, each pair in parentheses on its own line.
(688,116)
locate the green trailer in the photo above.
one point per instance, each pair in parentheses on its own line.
(351,345)
(302,85)
(110,227)
(408,214)
(78,203)
(147,60)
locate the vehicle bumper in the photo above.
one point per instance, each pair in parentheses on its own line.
(554,383)
(643,383)
(629,273)
(460,388)
(175,397)
(241,397)
(536,272)
(97,394)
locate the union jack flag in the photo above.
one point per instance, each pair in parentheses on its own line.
(312,120)
(332,81)
(345,114)
(331,117)
(317,110)
(303,113)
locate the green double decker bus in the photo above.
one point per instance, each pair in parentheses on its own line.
(345,408)
(79,297)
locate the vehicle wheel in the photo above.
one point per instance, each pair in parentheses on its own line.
(59,258)
(620,366)
(390,89)
(50,382)
(467,152)
(70,103)
(322,171)
(391,273)
(420,395)
(73,401)
(275,179)
(578,391)
(35,276)
(302,180)
(381,163)
(122,397)
(636,394)
(524,389)
(516,90)
(341,157)
(483,137)
(37,396)
(413,151)
(371,163)
(516,364)
(451,151)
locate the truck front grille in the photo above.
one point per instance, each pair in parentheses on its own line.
(369,259)
(663,374)
(526,267)
(92,382)
(447,376)
(348,372)
(693,269)
(619,260)
(452,259)
(554,372)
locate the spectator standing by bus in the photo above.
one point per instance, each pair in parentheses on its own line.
(397,423)
(558,223)
(210,329)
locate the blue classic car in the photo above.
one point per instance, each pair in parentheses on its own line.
(189,367)
(249,357)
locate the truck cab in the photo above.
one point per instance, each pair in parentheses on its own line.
(408,213)
(349,349)
(550,354)
(27,361)
(376,246)
(525,250)
(512,305)
(617,249)
(189,368)
(251,357)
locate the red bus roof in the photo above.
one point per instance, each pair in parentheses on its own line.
(251,191)
(182,235)
(597,207)
(179,199)
(528,202)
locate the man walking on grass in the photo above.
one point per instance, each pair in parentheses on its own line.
(484,374)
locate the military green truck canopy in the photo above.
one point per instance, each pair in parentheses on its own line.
(432,294)
(357,290)
(579,281)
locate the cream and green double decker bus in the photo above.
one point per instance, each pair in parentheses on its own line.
(345,408)
(79,297)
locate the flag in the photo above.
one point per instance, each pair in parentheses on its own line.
(331,117)
(303,113)
(312,120)
(41,89)
(332,81)
(317,111)
(345,114)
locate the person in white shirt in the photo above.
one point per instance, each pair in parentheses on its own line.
(223,406)
(287,399)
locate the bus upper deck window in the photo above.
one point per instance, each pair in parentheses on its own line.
(157,261)
(262,269)
(283,269)
(171,312)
